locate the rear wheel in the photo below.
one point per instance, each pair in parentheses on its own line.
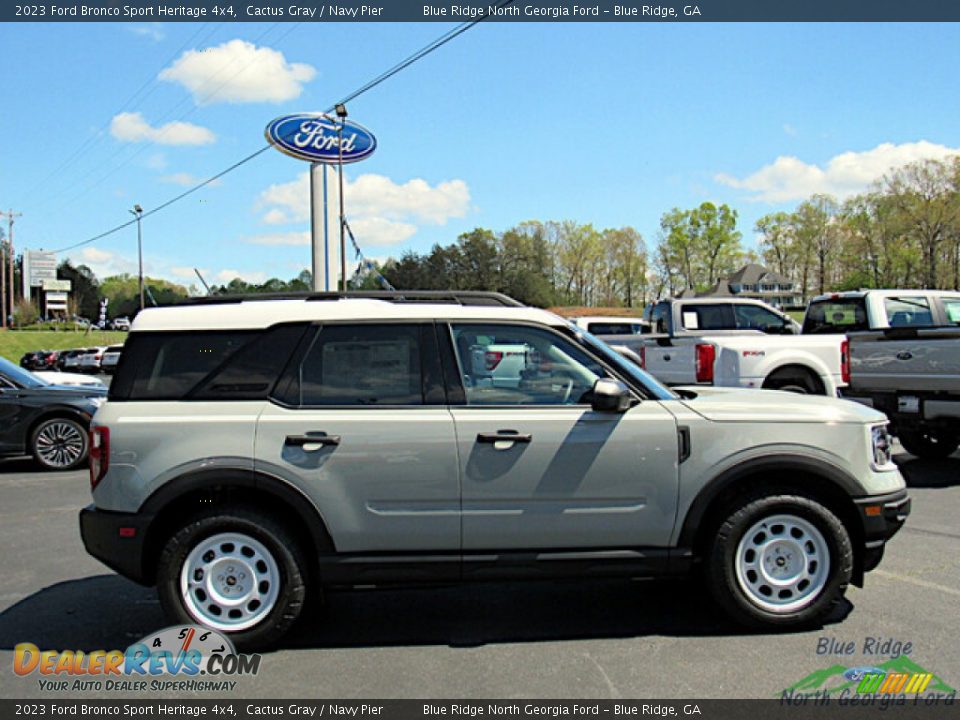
(235,570)
(798,381)
(929,444)
(779,561)
(59,444)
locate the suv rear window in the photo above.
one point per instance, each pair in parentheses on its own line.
(204,365)
(835,316)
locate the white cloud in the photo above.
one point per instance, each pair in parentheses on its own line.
(238,72)
(131,127)
(226,275)
(380,211)
(186,179)
(105,263)
(287,238)
(154,31)
(789,178)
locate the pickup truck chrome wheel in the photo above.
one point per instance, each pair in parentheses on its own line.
(59,444)
(230,581)
(782,563)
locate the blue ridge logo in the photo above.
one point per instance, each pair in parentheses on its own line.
(316,138)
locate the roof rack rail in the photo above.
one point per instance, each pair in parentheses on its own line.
(453,297)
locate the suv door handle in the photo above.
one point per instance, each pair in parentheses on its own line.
(503,436)
(318,440)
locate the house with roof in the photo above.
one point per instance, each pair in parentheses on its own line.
(755,281)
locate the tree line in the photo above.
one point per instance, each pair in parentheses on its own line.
(903,232)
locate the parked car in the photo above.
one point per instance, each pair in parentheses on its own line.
(856,311)
(341,444)
(47,421)
(90,360)
(736,342)
(111,356)
(913,376)
(611,325)
(38,359)
(121,323)
(70,359)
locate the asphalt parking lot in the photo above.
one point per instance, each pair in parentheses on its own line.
(602,639)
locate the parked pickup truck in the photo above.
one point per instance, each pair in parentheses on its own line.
(912,375)
(859,310)
(736,342)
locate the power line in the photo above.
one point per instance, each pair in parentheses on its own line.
(386,75)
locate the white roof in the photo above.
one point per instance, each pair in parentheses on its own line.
(252,314)
(885,293)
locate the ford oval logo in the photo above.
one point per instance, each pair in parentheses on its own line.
(315,138)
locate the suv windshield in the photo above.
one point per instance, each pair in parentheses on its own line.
(19,376)
(836,316)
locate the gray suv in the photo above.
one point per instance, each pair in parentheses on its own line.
(255,450)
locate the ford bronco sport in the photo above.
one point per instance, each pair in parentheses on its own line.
(253,451)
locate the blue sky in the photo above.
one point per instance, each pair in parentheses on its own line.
(611,124)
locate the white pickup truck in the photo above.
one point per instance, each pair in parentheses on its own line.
(736,342)
(859,310)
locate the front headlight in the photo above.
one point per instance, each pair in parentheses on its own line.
(881,447)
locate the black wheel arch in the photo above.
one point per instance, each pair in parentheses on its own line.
(832,486)
(201,489)
(796,370)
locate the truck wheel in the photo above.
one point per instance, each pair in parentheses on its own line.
(799,382)
(235,570)
(779,561)
(928,444)
(59,444)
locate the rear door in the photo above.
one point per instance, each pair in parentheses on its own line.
(541,470)
(361,426)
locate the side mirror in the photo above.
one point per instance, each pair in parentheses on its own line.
(610,396)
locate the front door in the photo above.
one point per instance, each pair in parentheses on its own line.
(540,469)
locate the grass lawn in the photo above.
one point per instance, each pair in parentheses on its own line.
(14,343)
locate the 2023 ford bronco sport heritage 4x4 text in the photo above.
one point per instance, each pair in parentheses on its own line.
(252,452)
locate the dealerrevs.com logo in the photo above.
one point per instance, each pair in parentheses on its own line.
(178,658)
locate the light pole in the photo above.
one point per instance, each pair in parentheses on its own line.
(342,116)
(137,212)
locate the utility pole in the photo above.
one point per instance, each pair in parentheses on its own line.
(3,282)
(137,212)
(13,294)
(341,111)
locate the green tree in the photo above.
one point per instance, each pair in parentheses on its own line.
(698,246)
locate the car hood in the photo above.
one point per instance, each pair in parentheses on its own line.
(64,392)
(738,405)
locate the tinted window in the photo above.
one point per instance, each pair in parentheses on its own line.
(519,365)
(612,328)
(908,311)
(836,316)
(708,317)
(363,365)
(660,318)
(753,317)
(166,366)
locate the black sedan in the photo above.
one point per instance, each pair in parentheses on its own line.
(47,421)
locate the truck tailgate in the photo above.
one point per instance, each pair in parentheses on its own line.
(896,360)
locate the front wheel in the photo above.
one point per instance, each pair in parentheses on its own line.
(235,570)
(927,444)
(59,444)
(779,561)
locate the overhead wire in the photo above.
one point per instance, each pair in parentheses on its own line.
(366,87)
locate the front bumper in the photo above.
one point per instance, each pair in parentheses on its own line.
(118,540)
(882,516)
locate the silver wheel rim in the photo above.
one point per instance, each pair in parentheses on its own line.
(229,582)
(60,444)
(782,563)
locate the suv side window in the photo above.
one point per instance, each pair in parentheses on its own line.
(715,316)
(660,318)
(753,317)
(908,311)
(363,365)
(521,365)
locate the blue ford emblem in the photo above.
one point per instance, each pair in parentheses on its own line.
(312,137)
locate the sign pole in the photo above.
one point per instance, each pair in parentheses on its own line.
(326,234)
(318,265)
(343,236)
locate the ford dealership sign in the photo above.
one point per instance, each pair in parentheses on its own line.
(315,138)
